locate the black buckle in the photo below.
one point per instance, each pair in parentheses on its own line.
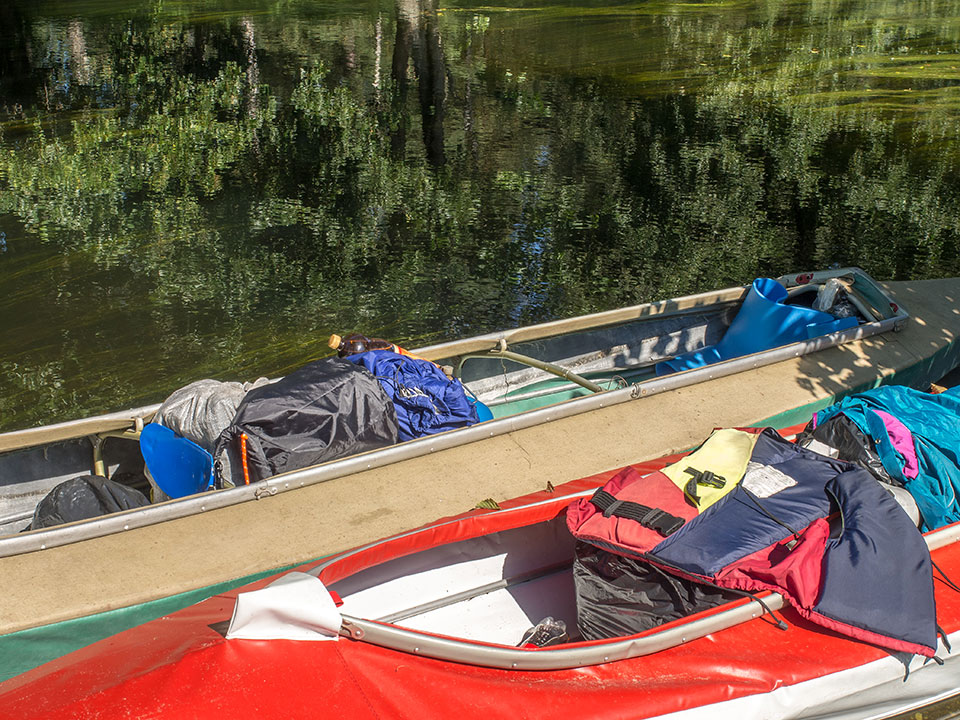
(662,522)
(701,477)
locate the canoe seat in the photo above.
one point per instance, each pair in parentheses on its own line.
(179,466)
(763,322)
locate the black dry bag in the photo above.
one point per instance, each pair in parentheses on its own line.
(326,410)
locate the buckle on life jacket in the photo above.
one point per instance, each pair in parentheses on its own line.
(701,477)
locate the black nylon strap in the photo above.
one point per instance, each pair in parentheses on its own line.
(652,518)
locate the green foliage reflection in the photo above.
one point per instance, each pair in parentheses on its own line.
(224,185)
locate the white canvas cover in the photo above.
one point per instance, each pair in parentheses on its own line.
(296,606)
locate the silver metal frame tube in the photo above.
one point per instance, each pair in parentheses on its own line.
(506,658)
(562,658)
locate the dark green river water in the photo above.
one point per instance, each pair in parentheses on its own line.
(211,188)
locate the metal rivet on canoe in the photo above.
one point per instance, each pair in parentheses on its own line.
(514,664)
(416,649)
(202,508)
(606,658)
(683,639)
(126,527)
(43,547)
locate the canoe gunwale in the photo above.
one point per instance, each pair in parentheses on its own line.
(119,421)
(37,540)
(684,305)
(135,417)
(381,633)
(130,418)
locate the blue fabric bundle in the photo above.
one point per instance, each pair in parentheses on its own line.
(934,422)
(426,400)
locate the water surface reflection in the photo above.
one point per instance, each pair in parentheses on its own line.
(211,188)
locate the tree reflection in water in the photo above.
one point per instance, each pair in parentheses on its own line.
(210,190)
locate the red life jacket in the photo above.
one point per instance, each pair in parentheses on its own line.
(770,532)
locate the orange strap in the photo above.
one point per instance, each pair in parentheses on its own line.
(243,458)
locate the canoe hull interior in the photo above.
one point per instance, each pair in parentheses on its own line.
(27,475)
(628,349)
(490,588)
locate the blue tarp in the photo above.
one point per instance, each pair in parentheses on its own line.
(763,322)
(426,400)
(934,422)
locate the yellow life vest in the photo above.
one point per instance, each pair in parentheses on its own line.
(715,468)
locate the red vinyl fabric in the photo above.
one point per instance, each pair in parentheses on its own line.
(794,573)
(655,490)
(180,666)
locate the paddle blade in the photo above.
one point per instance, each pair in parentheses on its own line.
(179,466)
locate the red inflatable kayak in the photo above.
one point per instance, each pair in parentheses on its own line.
(427,625)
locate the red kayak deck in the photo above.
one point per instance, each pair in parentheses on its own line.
(181,665)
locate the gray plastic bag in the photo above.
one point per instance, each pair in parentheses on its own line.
(200,412)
